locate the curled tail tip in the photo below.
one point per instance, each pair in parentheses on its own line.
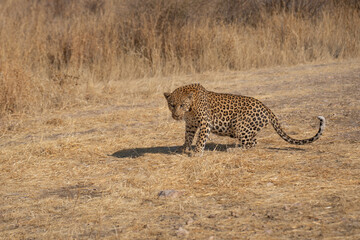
(321,118)
(322,123)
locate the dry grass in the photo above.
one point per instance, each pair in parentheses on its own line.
(60,53)
(94,171)
(86,139)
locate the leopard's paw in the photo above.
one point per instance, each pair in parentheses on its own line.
(196,154)
(182,150)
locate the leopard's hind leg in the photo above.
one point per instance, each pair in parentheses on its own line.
(246,128)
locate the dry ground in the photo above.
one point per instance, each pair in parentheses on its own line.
(95,171)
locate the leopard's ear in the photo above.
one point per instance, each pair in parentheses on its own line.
(167,95)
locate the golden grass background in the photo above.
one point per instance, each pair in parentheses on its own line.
(58,53)
(87,141)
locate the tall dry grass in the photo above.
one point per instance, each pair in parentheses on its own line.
(52,51)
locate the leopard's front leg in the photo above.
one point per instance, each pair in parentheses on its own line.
(190,131)
(203,136)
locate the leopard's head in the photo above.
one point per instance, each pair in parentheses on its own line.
(179,103)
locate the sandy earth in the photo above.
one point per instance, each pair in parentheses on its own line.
(96,171)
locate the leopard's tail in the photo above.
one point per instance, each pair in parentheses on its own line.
(275,123)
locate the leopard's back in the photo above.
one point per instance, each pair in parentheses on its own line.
(227,111)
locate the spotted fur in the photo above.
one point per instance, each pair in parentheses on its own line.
(230,115)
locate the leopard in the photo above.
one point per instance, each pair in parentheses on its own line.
(224,114)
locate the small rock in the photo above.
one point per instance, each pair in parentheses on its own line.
(190,221)
(286,207)
(181,232)
(269,184)
(170,193)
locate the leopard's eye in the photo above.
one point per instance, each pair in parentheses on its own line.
(172,105)
(182,105)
